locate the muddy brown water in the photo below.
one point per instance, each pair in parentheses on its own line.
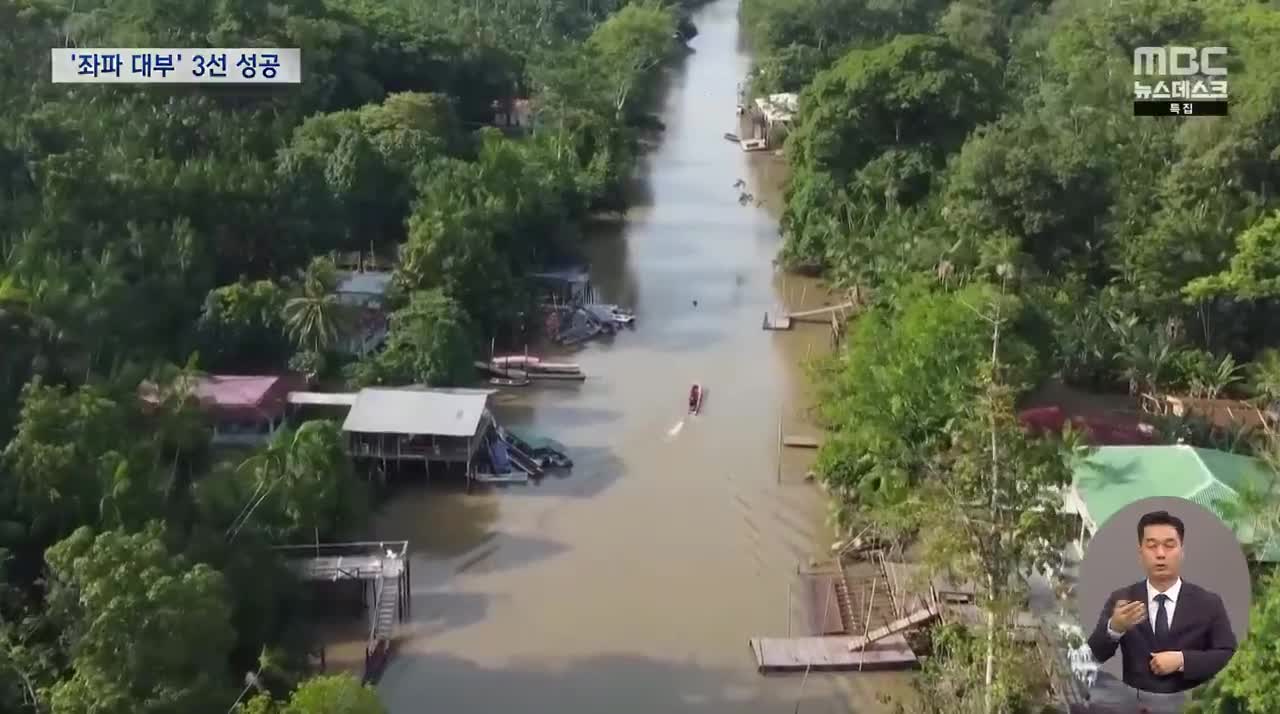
(632,584)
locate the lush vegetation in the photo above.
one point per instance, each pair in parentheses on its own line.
(950,155)
(149,233)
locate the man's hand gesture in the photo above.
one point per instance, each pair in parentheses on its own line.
(1126,614)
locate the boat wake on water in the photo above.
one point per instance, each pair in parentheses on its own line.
(674,431)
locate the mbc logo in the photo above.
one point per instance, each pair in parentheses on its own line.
(1177,61)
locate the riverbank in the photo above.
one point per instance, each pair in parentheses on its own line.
(634,583)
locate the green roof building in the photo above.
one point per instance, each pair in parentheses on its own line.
(1113,477)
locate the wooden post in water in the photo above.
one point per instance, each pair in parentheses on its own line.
(779,447)
(789,617)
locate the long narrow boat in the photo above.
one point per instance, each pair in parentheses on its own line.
(696,394)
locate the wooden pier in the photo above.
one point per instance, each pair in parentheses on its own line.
(835,314)
(776,322)
(829,654)
(796,441)
(382,568)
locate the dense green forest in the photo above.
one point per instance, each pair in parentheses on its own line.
(151,233)
(972,171)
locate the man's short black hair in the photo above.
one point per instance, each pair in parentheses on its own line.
(1161,518)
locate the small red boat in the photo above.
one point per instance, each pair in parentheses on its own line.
(695,398)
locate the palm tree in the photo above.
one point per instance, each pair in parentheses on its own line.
(182,431)
(295,462)
(316,318)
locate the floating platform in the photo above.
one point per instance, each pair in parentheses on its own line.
(825,612)
(513,477)
(801,442)
(557,376)
(830,654)
(777,322)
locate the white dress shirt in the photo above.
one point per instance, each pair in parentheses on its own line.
(1153,607)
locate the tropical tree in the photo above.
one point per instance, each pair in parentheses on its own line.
(112,587)
(327,694)
(430,343)
(1247,685)
(1144,355)
(301,486)
(630,44)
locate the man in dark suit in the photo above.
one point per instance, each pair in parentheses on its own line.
(1173,635)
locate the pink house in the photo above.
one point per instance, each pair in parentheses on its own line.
(245,409)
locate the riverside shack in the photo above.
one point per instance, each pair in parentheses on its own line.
(443,429)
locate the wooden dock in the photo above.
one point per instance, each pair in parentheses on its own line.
(801,442)
(777,322)
(513,477)
(825,601)
(829,654)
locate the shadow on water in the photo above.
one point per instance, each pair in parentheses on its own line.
(435,613)
(607,683)
(438,518)
(638,187)
(594,470)
(506,551)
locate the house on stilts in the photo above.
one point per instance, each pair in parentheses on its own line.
(443,429)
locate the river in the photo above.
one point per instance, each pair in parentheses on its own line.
(632,584)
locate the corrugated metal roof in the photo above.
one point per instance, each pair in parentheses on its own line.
(1115,476)
(416,411)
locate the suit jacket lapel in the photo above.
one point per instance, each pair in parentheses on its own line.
(1179,612)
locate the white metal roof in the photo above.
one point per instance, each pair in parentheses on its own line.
(338,399)
(779,107)
(366,283)
(417,411)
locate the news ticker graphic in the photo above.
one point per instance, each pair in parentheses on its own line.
(1164,108)
(176,65)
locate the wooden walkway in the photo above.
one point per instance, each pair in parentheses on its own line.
(822,311)
(829,654)
(776,322)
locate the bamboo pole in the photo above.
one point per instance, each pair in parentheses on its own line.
(779,448)
(866,626)
(789,610)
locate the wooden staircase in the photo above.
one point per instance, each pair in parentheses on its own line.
(386,607)
(388,604)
